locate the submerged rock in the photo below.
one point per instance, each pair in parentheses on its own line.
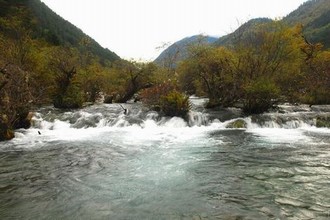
(239,123)
(267,212)
(108,99)
(323,122)
(5,132)
(24,120)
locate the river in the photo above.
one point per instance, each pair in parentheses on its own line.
(99,163)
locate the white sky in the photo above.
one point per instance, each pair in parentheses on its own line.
(135,28)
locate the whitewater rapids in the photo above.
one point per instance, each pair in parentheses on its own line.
(99,163)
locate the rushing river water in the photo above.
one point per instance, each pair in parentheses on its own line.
(98,163)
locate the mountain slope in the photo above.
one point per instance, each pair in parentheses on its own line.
(314,15)
(308,12)
(179,50)
(242,32)
(53,26)
(54,29)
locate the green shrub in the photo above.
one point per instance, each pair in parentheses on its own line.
(72,98)
(323,122)
(239,123)
(166,99)
(175,104)
(260,96)
(319,96)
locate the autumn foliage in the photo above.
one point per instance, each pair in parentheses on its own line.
(167,99)
(274,64)
(271,64)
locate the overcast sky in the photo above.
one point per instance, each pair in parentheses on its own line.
(135,28)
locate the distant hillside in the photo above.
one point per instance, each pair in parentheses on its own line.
(242,32)
(179,50)
(53,28)
(314,15)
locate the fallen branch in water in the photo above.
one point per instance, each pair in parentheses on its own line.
(125,109)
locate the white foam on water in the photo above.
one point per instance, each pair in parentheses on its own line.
(166,130)
(280,135)
(106,125)
(294,131)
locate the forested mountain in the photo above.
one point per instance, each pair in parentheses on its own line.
(179,50)
(314,15)
(242,32)
(46,24)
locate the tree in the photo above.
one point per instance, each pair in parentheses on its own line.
(211,71)
(16,62)
(15,100)
(166,99)
(136,76)
(265,60)
(18,44)
(93,80)
(67,91)
(317,74)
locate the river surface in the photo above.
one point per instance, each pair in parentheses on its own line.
(98,163)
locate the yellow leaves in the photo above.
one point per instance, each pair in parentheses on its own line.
(85,41)
(324,58)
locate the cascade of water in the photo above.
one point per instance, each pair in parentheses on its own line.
(198,119)
(98,162)
(112,116)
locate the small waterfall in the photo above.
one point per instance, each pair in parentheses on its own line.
(286,121)
(111,115)
(198,119)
